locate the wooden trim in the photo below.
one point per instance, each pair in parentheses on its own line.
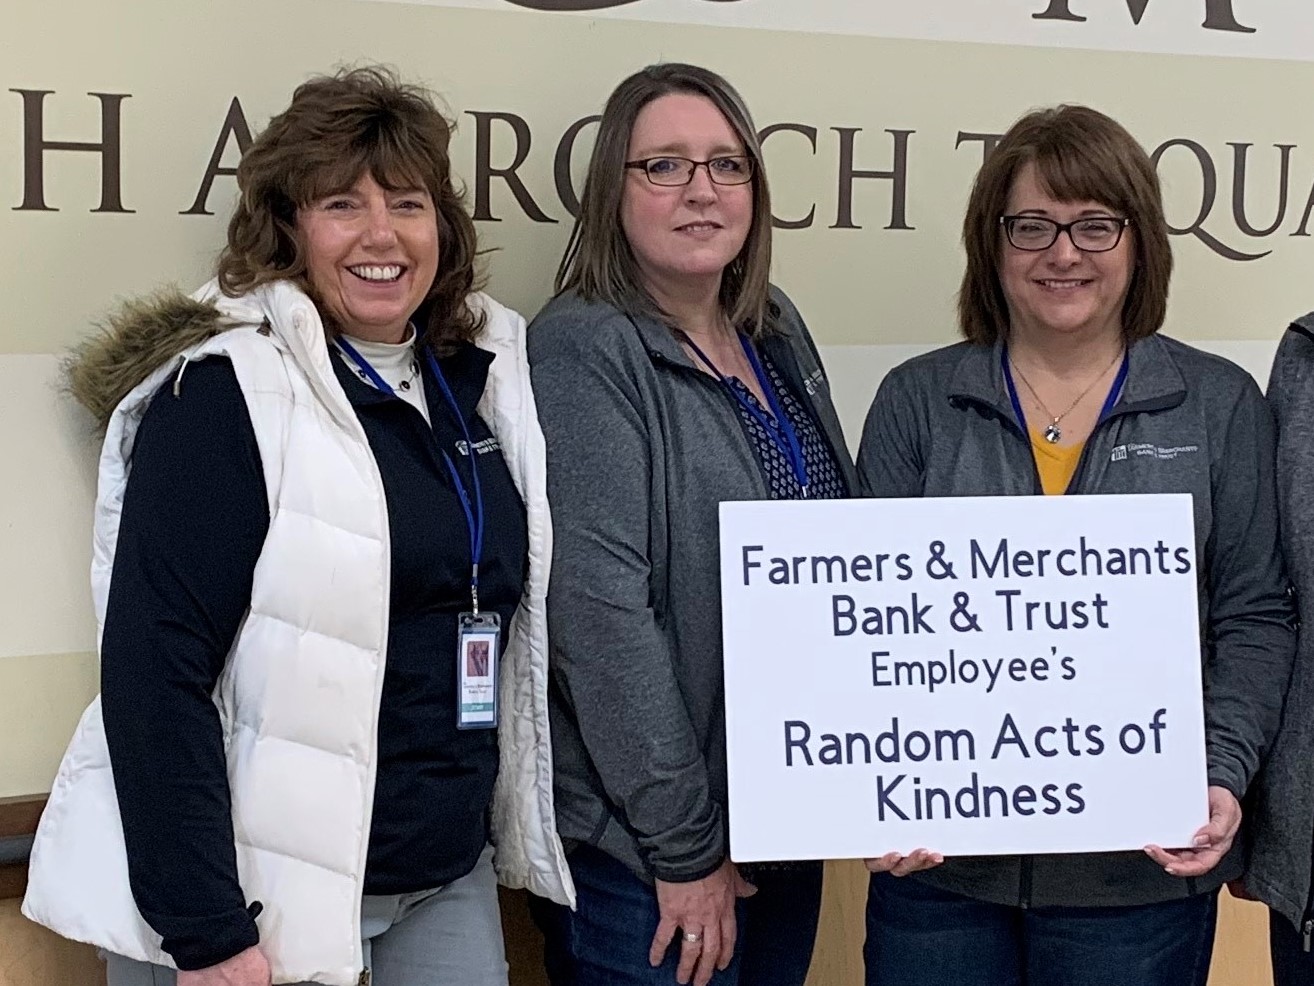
(18,816)
(13,881)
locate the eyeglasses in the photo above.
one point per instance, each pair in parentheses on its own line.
(1096,234)
(734,169)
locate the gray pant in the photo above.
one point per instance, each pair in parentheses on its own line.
(446,937)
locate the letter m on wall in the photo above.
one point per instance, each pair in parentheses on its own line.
(1219,14)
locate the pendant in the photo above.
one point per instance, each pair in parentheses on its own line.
(1052,433)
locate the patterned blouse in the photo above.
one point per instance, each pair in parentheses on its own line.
(826,481)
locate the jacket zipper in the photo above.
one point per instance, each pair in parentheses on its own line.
(1028,863)
(1307,923)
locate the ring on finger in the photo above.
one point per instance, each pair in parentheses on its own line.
(693,937)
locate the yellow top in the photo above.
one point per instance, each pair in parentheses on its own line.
(1055,463)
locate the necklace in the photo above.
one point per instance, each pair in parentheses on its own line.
(1053,433)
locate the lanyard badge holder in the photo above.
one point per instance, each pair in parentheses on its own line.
(478,635)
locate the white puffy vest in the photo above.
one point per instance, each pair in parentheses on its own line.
(299,694)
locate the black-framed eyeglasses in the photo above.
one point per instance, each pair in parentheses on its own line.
(1093,234)
(730,169)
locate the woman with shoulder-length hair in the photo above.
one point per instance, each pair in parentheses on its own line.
(671,376)
(1066,288)
(321,525)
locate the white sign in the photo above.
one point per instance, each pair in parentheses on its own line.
(1246,28)
(973,676)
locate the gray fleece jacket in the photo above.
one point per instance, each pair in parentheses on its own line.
(943,425)
(1282,808)
(642,447)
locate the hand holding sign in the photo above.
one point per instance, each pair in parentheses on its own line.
(897,865)
(1211,843)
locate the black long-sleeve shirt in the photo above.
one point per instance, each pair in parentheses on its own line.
(194,520)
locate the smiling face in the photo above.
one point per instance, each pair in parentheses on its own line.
(1062,289)
(371,256)
(683,237)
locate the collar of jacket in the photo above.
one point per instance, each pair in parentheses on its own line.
(1304,325)
(466,370)
(662,344)
(1153,381)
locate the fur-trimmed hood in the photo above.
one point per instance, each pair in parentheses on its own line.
(132,342)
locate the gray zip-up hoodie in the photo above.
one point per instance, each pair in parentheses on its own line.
(943,425)
(1282,813)
(642,447)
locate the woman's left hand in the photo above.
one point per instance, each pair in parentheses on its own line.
(1211,843)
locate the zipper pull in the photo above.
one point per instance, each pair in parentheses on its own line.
(1307,933)
(364,979)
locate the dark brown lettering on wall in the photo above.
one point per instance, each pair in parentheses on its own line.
(1303,228)
(485,172)
(1219,14)
(504,143)
(1208,197)
(562,160)
(1239,156)
(35,146)
(897,174)
(988,142)
(811,134)
(235,128)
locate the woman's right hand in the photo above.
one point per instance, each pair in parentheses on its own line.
(898,865)
(246,968)
(702,912)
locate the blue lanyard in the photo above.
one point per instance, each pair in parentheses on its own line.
(474,516)
(781,430)
(1114,392)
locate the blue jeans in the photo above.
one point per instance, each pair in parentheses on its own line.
(920,936)
(605,941)
(1292,965)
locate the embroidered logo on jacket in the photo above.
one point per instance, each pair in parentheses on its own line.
(483,448)
(1162,453)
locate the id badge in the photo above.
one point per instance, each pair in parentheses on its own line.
(476,670)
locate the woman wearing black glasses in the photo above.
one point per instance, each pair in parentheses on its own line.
(1061,387)
(670,376)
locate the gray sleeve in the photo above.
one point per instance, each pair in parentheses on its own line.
(610,657)
(890,461)
(1250,628)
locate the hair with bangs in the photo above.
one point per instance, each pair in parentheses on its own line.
(1080,155)
(599,263)
(337,129)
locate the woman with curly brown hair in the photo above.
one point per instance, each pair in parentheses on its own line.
(321,496)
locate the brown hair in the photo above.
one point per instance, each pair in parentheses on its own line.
(338,128)
(1080,155)
(598,262)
